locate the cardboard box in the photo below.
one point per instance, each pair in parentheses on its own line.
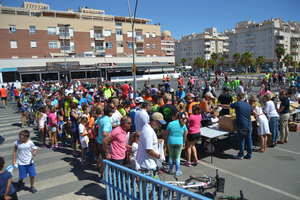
(294,127)
(227,123)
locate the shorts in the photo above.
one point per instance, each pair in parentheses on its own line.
(84,141)
(3,98)
(193,137)
(53,129)
(100,151)
(25,170)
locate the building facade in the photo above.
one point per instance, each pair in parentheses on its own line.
(35,31)
(261,39)
(200,45)
(167,44)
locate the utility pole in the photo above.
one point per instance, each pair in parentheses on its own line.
(134,68)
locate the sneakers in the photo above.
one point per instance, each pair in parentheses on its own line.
(172,171)
(33,190)
(188,164)
(178,173)
(248,157)
(238,157)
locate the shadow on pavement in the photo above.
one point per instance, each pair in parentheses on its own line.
(1,139)
(92,190)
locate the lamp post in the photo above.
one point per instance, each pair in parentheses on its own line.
(134,69)
(66,27)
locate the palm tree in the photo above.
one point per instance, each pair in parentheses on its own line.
(214,57)
(260,60)
(287,60)
(199,62)
(183,61)
(236,58)
(280,51)
(246,59)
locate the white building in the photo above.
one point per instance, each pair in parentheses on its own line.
(200,45)
(167,44)
(261,39)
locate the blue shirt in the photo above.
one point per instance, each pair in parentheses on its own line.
(180,94)
(4,177)
(176,132)
(104,124)
(83,101)
(243,114)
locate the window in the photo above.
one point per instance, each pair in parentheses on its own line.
(147,46)
(118,24)
(35,57)
(153,46)
(153,35)
(32,29)
(119,44)
(108,45)
(13,44)
(119,31)
(147,35)
(107,33)
(33,44)
(53,45)
(129,34)
(130,45)
(12,28)
(51,30)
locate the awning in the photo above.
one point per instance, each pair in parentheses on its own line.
(8,69)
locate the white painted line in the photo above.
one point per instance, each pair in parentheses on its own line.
(252,181)
(286,150)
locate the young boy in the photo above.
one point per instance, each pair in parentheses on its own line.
(23,153)
(7,190)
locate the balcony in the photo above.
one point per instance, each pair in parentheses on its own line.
(99,49)
(67,49)
(64,36)
(139,38)
(139,50)
(225,44)
(207,43)
(99,36)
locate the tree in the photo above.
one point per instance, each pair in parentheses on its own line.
(183,61)
(222,59)
(236,58)
(246,59)
(280,51)
(260,60)
(199,62)
(214,57)
(287,60)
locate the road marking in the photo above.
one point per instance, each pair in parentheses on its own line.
(289,151)
(252,181)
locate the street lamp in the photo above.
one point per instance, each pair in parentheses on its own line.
(134,69)
(66,27)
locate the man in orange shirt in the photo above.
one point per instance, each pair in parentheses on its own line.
(3,95)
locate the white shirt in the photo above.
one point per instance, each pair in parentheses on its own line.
(141,118)
(148,140)
(24,155)
(240,90)
(270,109)
(116,118)
(42,120)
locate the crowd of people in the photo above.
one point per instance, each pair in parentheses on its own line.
(142,130)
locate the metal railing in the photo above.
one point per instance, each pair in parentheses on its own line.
(124,183)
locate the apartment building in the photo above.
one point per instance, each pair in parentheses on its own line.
(200,45)
(167,44)
(261,39)
(36,31)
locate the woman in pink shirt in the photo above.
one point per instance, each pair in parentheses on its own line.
(52,124)
(194,125)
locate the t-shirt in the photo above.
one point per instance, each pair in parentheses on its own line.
(83,100)
(125,89)
(194,122)
(286,103)
(104,124)
(3,92)
(225,99)
(52,119)
(176,132)
(16,92)
(118,143)
(168,111)
(148,140)
(243,114)
(24,155)
(141,118)
(116,118)
(4,177)
(270,109)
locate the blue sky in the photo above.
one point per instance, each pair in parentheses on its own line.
(183,17)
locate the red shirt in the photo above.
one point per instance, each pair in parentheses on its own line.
(16,92)
(125,89)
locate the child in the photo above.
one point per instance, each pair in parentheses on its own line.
(83,136)
(7,190)
(42,125)
(52,124)
(60,126)
(23,153)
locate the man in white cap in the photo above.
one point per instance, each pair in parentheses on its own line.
(142,116)
(148,153)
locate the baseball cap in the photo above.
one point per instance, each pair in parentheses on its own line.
(158,117)
(139,100)
(209,94)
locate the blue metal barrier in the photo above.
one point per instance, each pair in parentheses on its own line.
(123,183)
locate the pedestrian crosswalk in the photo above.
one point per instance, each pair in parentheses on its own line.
(60,175)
